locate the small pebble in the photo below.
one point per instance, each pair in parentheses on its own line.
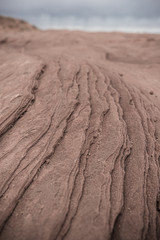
(151,92)
(131,101)
(47,161)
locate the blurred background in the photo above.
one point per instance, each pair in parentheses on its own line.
(89,15)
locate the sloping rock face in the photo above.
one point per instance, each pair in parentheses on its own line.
(79,136)
(12,24)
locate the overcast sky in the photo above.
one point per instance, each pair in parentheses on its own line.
(82,8)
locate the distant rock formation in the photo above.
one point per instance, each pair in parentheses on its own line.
(79,135)
(8,24)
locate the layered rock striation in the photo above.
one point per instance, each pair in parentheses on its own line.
(79,136)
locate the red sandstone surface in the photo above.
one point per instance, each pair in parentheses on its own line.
(79,135)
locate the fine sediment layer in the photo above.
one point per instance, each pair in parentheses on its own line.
(79,136)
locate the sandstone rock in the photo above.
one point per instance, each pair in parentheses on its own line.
(79,144)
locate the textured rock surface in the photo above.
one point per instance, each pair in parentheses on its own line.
(12,24)
(79,136)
